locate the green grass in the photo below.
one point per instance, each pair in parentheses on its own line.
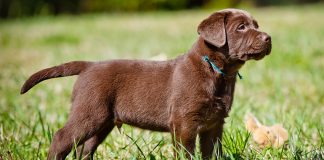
(286,87)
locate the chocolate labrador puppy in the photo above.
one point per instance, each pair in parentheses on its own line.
(187,96)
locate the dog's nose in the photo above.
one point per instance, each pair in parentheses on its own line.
(265,37)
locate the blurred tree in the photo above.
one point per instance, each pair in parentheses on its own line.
(4,8)
(63,6)
(281,2)
(17,8)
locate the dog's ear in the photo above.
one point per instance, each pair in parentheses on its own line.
(212,29)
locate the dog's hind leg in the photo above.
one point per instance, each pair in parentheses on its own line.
(88,148)
(87,118)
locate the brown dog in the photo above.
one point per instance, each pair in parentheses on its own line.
(186,96)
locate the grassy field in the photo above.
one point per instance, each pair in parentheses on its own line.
(286,87)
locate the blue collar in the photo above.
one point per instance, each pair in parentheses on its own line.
(215,68)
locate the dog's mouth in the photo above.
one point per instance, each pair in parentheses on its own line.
(256,55)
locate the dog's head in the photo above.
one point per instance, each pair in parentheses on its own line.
(237,30)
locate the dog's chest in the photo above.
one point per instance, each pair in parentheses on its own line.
(212,115)
(217,106)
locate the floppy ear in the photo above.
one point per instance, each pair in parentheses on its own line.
(212,29)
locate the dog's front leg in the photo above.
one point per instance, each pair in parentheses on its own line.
(210,142)
(184,138)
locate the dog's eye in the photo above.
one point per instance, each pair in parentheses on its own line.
(241,27)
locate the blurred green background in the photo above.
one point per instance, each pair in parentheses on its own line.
(18,8)
(285,87)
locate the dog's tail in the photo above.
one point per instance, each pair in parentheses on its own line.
(63,70)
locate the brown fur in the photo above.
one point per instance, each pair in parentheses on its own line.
(183,96)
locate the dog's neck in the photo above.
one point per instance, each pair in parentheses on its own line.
(219,56)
